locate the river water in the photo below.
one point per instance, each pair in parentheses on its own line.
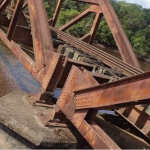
(13,76)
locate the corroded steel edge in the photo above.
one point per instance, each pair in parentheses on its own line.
(47,64)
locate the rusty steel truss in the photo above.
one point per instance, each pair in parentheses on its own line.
(90,79)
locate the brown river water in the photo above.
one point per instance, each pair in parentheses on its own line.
(13,76)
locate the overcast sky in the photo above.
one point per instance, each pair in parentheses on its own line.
(144,3)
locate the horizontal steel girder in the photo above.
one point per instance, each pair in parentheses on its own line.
(133,90)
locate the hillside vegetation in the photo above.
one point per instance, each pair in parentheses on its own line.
(134,19)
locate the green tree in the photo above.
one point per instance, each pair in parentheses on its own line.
(134,19)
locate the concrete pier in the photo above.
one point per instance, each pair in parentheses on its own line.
(21,128)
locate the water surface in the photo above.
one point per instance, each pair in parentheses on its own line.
(13,76)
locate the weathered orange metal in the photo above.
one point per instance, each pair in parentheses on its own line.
(15,19)
(4,4)
(120,37)
(61,67)
(79,79)
(57,11)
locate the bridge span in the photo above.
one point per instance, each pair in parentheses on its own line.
(63,82)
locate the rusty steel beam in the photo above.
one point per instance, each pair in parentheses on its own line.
(4,21)
(101,76)
(12,3)
(133,90)
(49,74)
(91,9)
(137,117)
(86,38)
(95,27)
(4,5)
(96,137)
(42,40)
(24,38)
(88,1)
(50,66)
(25,5)
(95,9)
(22,19)
(78,79)
(89,37)
(20,54)
(75,20)
(121,39)
(127,92)
(55,72)
(46,73)
(57,11)
(15,18)
(127,69)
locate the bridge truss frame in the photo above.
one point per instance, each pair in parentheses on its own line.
(82,95)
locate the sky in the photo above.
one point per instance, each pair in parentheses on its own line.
(144,3)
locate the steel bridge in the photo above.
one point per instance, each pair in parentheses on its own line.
(90,79)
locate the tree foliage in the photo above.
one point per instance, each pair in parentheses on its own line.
(134,19)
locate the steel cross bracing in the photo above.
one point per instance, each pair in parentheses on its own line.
(81,70)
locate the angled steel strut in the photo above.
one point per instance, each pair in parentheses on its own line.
(82,71)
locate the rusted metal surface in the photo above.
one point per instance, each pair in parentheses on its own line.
(127,69)
(4,21)
(75,20)
(19,53)
(121,39)
(15,19)
(115,94)
(96,137)
(12,3)
(57,11)
(25,5)
(77,79)
(3,5)
(25,38)
(39,25)
(95,27)
(59,60)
